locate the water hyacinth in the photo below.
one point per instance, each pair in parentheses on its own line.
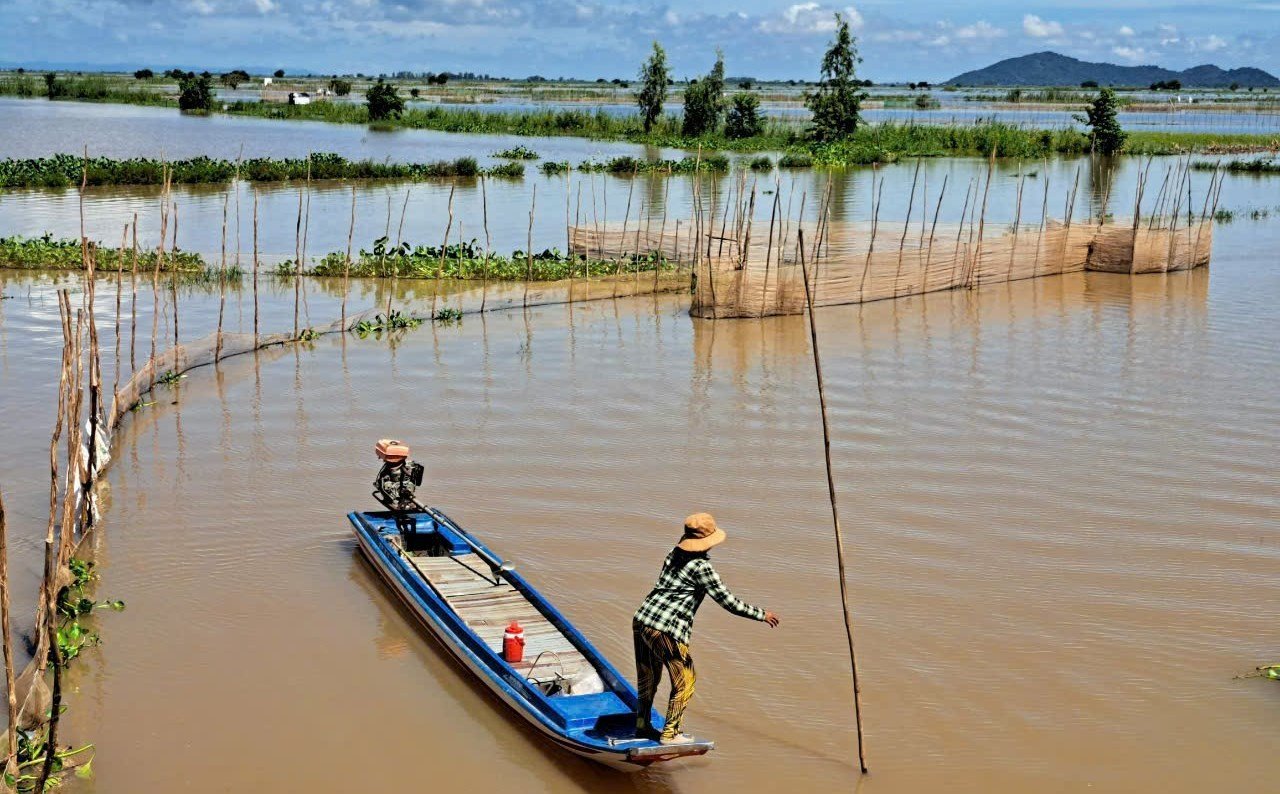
(65,170)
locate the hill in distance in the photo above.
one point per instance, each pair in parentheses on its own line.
(1052,69)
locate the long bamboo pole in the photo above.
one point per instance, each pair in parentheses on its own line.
(346,263)
(484,214)
(835,511)
(222,281)
(528,273)
(255,269)
(10,686)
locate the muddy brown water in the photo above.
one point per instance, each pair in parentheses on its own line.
(1059,498)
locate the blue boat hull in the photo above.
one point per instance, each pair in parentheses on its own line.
(598,726)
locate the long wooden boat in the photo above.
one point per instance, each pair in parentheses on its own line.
(466,596)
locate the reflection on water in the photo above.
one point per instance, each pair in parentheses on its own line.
(1061,512)
(419,212)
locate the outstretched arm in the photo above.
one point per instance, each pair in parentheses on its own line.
(710,580)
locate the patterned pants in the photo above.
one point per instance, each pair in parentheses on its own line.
(655,650)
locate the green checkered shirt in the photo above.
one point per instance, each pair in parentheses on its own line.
(671,604)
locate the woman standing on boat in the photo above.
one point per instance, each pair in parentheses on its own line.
(663,624)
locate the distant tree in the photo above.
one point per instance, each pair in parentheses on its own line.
(52,88)
(746,85)
(1105,133)
(1089,84)
(383,101)
(177,74)
(743,119)
(653,86)
(704,101)
(415,93)
(1234,87)
(339,86)
(143,74)
(279,73)
(21,70)
(601,80)
(924,101)
(195,94)
(836,101)
(234,78)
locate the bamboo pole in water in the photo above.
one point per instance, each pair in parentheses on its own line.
(528,273)
(444,244)
(222,282)
(626,218)
(875,227)
(297,265)
(933,230)
(255,267)
(124,238)
(906,225)
(155,286)
(46,618)
(95,392)
(346,263)
(133,298)
(173,276)
(835,512)
(10,686)
(662,233)
(768,250)
(484,215)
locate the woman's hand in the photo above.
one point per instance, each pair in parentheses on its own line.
(772,619)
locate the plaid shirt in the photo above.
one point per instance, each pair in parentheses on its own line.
(670,606)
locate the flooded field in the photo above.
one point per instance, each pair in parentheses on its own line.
(1059,495)
(419,212)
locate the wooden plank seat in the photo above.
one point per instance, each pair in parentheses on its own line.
(488,608)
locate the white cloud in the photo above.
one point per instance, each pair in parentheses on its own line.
(1131,54)
(1125,30)
(1039,28)
(265,6)
(202,7)
(810,17)
(979,30)
(1211,43)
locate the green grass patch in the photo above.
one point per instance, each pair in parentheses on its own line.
(65,170)
(48,253)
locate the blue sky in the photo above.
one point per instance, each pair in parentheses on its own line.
(925,39)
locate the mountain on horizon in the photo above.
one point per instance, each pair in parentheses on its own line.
(1053,69)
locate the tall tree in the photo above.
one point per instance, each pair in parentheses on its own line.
(1105,133)
(837,100)
(383,101)
(653,90)
(704,101)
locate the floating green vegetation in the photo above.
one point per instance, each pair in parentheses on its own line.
(1243,166)
(761,163)
(1224,215)
(625,164)
(795,160)
(552,167)
(468,260)
(394,321)
(508,170)
(48,253)
(448,316)
(65,170)
(519,152)
(169,378)
(308,335)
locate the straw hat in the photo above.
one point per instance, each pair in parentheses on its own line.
(701,533)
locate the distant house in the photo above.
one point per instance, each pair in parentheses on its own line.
(266,81)
(299,98)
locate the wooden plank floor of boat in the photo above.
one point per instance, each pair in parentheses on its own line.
(467,584)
